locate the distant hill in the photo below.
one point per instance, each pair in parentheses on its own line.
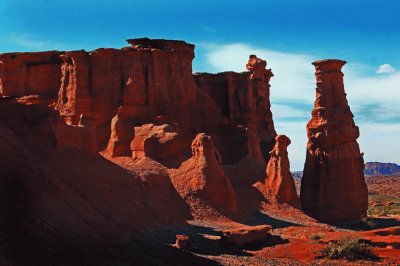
(371,169)
(297,174)
(376,168)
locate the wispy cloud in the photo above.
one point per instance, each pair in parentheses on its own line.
(209,29)
(32,43)
(375,100)
(385,69)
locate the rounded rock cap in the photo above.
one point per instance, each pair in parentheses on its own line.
(329,64)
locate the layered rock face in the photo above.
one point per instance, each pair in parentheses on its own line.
(279,179)
(30,73)
(333,186)
(202,177)
(104,94)
(244,99)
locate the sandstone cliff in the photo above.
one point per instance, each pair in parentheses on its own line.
(245,102)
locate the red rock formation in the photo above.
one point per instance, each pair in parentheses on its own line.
(161,143)
(103,94)
(245,235)
(30,73)
(110,91)
(201,177)
(89,97)
(333,186)
(245,101)
(279,179)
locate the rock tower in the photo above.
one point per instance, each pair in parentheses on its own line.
(279,179)
(333,186)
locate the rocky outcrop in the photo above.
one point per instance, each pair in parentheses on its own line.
(245,235)
(162,143)
(30,73)
(244,100)
(279,179)
(202,178)
(333,186)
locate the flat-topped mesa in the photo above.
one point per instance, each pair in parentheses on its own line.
(176,45)
(333,186)
(245,102)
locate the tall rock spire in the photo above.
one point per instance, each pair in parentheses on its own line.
(333,186)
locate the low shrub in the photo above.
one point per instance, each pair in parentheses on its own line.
(316,236)
(350,248)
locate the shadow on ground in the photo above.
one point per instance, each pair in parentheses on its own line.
(368,224)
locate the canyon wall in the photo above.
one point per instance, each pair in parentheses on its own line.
(30,73)
(100,96)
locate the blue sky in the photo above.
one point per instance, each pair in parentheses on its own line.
(289,34)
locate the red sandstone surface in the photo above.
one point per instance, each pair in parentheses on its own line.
(110,157)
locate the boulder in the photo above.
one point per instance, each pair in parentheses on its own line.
(245,235)
(162,143)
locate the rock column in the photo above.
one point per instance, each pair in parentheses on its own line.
(279,179)
(333,186)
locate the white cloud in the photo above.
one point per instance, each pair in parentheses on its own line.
(32,43)
(293,72)
(378,97)
(285,111)
(385,69)
(374,100)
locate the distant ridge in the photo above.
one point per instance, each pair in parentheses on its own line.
(377,168)
(371,169)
